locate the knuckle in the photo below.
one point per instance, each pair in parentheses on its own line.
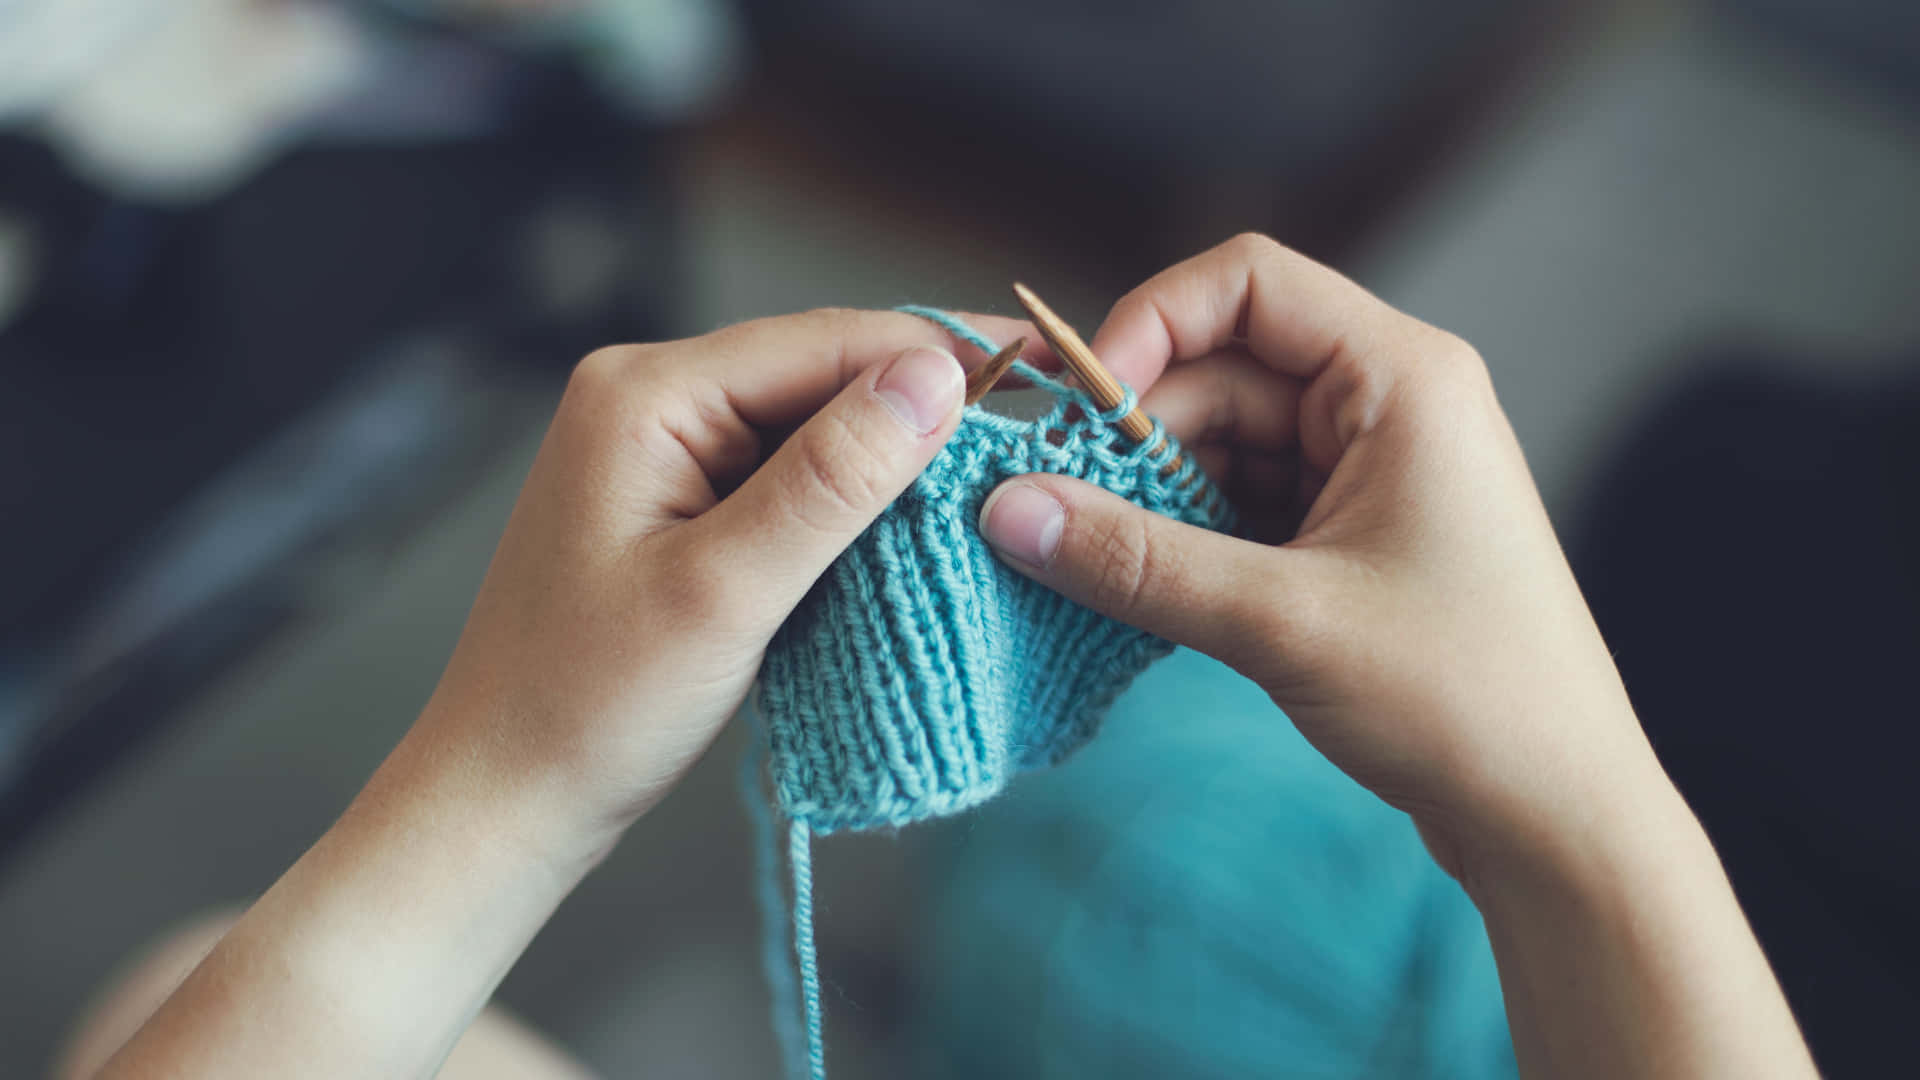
(600,370)
(835,318)
(614,373)
(814,324)
(1254,245)
(1451,375)
(612,391)
(835,473)
(823,319)
(1120,553)
(1455,355)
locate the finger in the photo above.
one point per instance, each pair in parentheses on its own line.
(1293,313)
(837,472)
(1227,398)
(715,398)
(1198,588)
(775,371)
(1000,331)
(1037,352)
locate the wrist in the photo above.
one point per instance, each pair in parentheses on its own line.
(1599,841)
(1623,951)
(472,789)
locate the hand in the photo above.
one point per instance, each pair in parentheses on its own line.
(1421,626)
(1423,630)
(648,562)
(652,554)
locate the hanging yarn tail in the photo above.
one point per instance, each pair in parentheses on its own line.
(775,960)
(798,1028)
(800,854)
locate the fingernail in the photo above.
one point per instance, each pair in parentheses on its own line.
(1023,522)
(920,387)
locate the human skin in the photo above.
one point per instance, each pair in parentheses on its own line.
(1421,628)
(1405,601)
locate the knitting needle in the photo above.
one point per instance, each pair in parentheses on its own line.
(1100,384)
(981,379)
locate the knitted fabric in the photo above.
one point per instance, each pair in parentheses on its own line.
(922,673)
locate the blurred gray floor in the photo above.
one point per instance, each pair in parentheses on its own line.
(1682,185)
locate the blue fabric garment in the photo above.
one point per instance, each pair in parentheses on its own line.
(1200,894)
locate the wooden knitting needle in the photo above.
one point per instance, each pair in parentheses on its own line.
(1100,384)
(981,379)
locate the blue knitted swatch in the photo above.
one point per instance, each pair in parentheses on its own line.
(920,674)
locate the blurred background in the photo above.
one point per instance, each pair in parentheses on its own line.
(288,290)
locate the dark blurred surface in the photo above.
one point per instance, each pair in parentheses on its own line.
(1872,40)
(165,347)
(1186,121)
(1752,555)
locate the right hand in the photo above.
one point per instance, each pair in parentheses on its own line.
(1421,626)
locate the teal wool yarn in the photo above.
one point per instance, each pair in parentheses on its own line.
(921,674)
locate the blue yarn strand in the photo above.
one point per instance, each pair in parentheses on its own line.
(1128,402)
(777,967)
(800,853)
(951,324)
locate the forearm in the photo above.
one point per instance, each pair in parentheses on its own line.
(371,955)
(1623,952)
(620,625)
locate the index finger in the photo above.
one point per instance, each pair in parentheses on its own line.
(1290,312)
(779,370)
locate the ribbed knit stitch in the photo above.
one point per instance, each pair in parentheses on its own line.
(921,673)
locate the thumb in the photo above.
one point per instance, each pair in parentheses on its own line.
(834,475)
(1197,588)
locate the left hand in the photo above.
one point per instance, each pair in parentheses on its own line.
(652,553)
(647,564)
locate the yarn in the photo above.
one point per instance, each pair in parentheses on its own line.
(800,854)
(782,992)
(920,674)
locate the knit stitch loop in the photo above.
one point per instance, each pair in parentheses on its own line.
(920,673)
(1129,401)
